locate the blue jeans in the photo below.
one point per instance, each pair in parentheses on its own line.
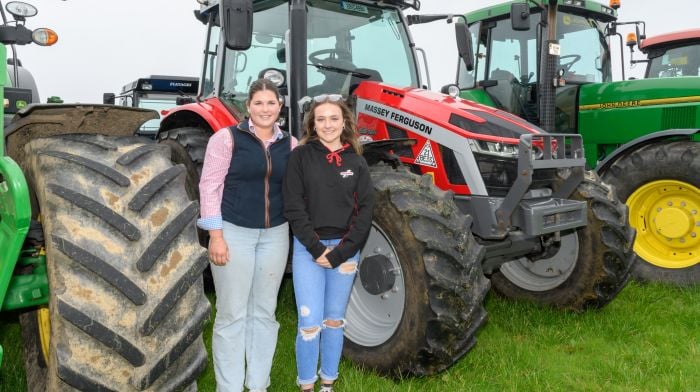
(245,328)
(322,296)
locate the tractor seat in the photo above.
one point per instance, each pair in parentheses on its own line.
(502,92)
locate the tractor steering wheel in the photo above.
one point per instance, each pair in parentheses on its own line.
(335,56)
(574,58)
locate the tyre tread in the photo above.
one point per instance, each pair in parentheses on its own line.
(134,154)
(166,236)
(144,195)
(95,166)
(169,300)
(103,269)
(126,228)
(101,333)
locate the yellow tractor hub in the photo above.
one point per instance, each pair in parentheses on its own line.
(666,215)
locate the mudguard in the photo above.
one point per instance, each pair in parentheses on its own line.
(211,113)
(15,215)
(640,141)
(55,119)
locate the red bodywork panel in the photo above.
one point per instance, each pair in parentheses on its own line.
(212,110)
(435,109)
(674,37)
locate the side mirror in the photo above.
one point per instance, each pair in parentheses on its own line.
(237,22)
(108,98)
(464,45)
(20,10)
(520,16)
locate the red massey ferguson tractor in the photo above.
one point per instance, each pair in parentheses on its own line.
(672,54)
(466,196)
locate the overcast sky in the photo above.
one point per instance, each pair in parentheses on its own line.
(105,44)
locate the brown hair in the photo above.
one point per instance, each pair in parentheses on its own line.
(347,136)
(260,85)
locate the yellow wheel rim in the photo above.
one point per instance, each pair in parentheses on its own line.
(44,323)
(666,215)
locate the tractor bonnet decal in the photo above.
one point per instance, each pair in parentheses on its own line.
(426,156)
(410,121)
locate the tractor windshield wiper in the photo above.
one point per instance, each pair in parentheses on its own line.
(341,70)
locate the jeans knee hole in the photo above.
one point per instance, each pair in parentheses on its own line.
(335,324)
(309,333)
(304,311)
(348,268)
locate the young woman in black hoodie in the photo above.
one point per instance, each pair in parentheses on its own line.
(328,202)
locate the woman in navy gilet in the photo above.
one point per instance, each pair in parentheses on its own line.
(242,208)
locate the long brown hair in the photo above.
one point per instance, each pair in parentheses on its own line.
(349,133)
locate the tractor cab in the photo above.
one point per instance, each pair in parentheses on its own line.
(672,54)
(157,92)
(338,44)
(508,59)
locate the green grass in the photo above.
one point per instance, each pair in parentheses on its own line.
(648,339)
(12,367)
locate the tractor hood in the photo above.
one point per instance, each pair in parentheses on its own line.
(469,148)
(430,114)
(638,107)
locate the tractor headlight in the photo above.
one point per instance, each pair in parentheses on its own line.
(494,148)
(274,75)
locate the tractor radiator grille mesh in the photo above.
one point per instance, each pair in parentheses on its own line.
(680,117)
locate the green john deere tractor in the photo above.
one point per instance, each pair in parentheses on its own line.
(98,247)
(549,62)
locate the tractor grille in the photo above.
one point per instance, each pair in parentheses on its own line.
(681,117)
(500,173)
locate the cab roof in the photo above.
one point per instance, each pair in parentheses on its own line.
(502,10)
(672,38)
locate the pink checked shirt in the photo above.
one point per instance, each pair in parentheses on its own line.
(216,164)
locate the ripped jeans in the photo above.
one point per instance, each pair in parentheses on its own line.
(322,295)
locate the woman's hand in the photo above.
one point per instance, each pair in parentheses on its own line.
(323,261)
(218,250)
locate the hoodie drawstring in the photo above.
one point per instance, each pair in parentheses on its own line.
(334,155)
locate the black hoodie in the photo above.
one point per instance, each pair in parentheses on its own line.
(328,195)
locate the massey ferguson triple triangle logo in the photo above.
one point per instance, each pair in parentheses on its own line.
(426,156)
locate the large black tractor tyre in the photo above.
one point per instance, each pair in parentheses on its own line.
(126,305)
(188,147)
(591,264)
(661,185)
(418,300)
